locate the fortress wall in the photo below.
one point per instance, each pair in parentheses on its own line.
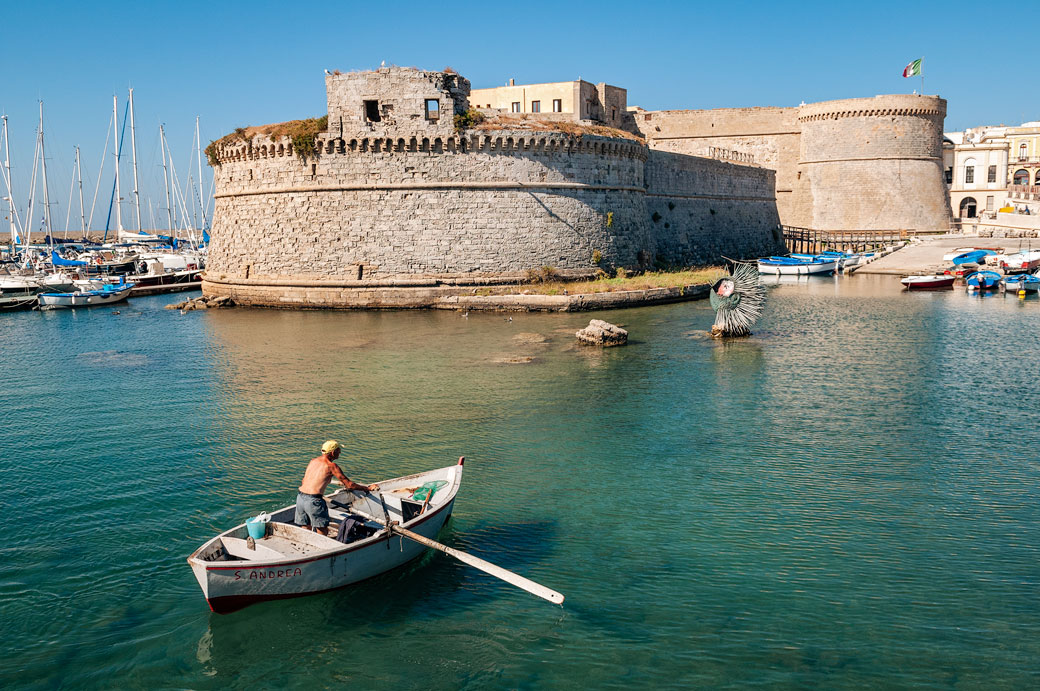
(770,135)
(875,163)
(511,204)
(702,209)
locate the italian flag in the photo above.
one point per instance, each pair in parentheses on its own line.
(913,69)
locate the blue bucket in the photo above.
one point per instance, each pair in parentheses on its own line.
(256,528)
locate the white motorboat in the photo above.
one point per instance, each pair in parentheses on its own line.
(929,282)
(104,295)
(784,266)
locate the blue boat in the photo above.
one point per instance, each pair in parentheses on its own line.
(1026,282)
(796,265)
(973,257)
(983,280)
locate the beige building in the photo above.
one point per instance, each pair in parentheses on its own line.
(1024,154)
(576,100)
(975,164)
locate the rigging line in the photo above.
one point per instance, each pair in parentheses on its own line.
(72,188)
(12,206)
(112,199)
(101,170)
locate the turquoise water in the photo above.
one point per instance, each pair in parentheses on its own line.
(849,498)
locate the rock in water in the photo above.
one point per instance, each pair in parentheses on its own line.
(602,333)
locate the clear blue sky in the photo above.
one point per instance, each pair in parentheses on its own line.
(237,64)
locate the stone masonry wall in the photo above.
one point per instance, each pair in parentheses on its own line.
(702,209)
(509,202)
(875,163)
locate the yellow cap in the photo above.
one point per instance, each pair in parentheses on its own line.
(330,446)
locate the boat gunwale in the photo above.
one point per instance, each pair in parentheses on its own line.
(330,551)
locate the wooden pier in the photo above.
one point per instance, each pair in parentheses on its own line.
(814,241)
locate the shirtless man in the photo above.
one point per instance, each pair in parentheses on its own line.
(311,508)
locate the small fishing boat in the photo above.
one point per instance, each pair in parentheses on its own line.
(1019,262)
(930,282)
(983,280)
(973,257)
(104,294)
(369,534)
(1022,282)
(794,266)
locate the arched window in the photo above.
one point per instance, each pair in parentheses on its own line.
(968,207)
(969,171)
(1037,182)
(1021,176)
(1022,152)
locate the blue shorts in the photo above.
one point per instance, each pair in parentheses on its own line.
(311,510)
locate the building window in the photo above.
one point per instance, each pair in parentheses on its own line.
(949,175)
(536,106)
(613,114)
(1022,153)
(969,174)
(433,109)
(557,105)
(989,202)
(991,176)
(372,111)
(516,106)
(1022,177)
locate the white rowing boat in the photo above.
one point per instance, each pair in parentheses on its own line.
(390,529)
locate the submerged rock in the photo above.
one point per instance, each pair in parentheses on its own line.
(602,333)
(202,303)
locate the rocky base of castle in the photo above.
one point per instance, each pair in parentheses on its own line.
(481,294)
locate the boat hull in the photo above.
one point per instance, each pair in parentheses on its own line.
(263,573)
(928,282)
(90,298)
(230,588)
(795,268)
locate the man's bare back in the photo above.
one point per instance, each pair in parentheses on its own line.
(320,472)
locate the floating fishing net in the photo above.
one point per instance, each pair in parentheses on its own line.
(428,489)
(738,300)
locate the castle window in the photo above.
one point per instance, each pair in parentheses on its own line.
(949,176)
(536,106)
(613,113)
(372,111)
(969,175)
(557,105)
(991,176)
(516,106)
(433,109)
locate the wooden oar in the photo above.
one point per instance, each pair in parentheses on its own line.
(476,562)
(485,566)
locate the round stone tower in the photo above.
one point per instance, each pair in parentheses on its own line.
(874,163)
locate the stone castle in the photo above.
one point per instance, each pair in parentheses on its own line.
(400,201)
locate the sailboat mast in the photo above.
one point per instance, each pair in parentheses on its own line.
(46,192)
(79,176)
(198,146)
(10,193)
(119,215)
(133,148)
(166,177)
